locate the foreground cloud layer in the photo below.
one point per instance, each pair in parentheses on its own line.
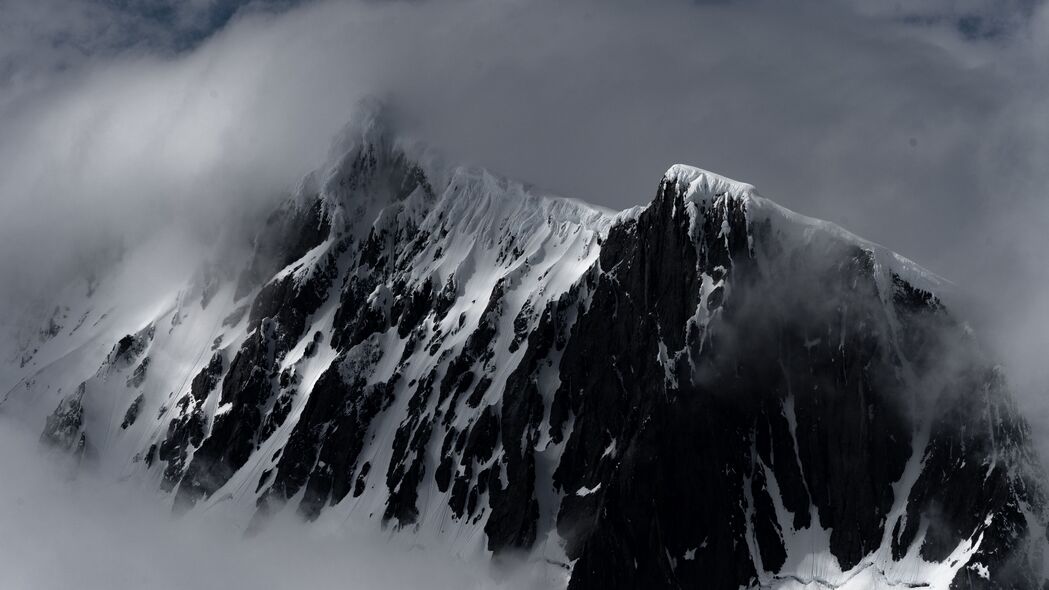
(93,533)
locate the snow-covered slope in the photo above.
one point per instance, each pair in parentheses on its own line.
(708,391)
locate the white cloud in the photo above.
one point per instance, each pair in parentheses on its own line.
(96,534)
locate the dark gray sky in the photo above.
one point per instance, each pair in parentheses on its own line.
(920,125)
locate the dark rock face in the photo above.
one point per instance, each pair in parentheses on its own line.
(138,377)
(965,474)
(64,427)
(515,509)
(246,387)
(407,468)
(621,397)
(321,454)
(796,377)
(129,348)
(132,412)
(186,431)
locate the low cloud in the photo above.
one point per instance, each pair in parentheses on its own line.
(93,533)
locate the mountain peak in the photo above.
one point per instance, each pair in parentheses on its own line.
(372,123)
(452,353)
(702,184)
(698,186)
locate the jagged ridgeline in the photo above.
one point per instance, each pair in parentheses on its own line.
(706,392)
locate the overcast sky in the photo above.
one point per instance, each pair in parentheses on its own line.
(920,125)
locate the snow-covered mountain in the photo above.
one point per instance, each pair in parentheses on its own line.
(709,391)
